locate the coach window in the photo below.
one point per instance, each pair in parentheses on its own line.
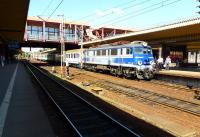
(98,52)
(104,52)
(128,51)
(90,53)
(113,51)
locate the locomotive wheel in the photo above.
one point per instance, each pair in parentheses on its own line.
(148,75)
(139,75)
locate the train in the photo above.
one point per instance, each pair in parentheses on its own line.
(129,60)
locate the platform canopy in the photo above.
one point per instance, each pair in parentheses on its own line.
(13,15)
(179,30)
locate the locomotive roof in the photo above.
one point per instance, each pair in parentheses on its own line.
(119,46)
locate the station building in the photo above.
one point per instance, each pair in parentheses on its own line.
(179,40)
(47,33)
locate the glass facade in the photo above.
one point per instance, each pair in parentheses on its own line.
(70,35)
(34,32)
(52,34)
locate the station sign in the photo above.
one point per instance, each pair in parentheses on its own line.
(13,45)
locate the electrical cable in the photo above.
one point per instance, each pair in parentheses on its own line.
(55,9)
(140,12)
(44,11)
(140,3)
(87,16)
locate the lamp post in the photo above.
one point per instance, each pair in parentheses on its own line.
(62,42)
(82,32)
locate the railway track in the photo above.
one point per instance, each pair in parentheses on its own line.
(174,86)
(85,119)
(146,95)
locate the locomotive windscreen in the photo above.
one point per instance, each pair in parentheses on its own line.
(143,50)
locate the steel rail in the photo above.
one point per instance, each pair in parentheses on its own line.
(130,91)
(80,98)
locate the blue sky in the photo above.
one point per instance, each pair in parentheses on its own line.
(134,13)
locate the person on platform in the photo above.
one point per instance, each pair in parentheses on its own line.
(2,59)
(160,62)
(167,62)
(67,67)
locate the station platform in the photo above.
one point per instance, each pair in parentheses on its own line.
(189,79)
(21,112)
(180,73)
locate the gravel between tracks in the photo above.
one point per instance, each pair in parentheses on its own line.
(174,121)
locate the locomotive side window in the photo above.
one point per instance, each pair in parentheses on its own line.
(113,51)
(129,51)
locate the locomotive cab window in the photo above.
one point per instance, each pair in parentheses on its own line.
(138,50)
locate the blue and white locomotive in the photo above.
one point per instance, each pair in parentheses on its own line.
(134,59)
(129,60)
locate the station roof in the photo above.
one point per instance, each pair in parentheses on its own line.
(33,18)
(182,28)
(13,14)
(116,28)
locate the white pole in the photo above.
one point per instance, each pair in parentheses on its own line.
(62,42)
(82,32)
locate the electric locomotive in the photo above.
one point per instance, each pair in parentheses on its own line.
(129,60)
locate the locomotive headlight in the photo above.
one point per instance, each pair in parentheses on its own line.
(139,62)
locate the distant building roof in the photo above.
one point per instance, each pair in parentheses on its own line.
(57,21)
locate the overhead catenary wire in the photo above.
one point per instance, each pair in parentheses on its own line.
(55,9)
(140,12)
(45,10)
(91,15)
(125,8)
(117,6)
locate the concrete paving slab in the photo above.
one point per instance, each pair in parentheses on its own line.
(26,117)
(5,77)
